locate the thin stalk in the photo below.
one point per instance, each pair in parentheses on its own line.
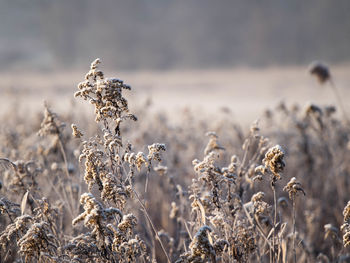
(64,198)
(294,216)
(339,100)
(63,155)
(67,173)
(152,225)
(274,219)
(259,229)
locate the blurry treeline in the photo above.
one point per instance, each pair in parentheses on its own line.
(158,34)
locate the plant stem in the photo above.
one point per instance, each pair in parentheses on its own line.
(294,250)
(258,227)
(70,205)
(274,219)
(338,98)
(153,227)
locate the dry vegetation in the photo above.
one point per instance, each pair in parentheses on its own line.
(121,190)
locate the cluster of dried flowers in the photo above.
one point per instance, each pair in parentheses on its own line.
(108,165)
(75,198)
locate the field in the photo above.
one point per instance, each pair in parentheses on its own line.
(175,169)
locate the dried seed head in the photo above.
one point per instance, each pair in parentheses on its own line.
(313,109)
(331,231)
(8,207)
(345,228)
(161,170)
(260,206)
(200,245)
(213,144)
(50,124)
(128,222)
(76,132)
(283,202)
(221,245)
(37,240)
(257,197)
(174,212)
(293,187)
(346,212)
(274,161)
(320,70)
(106,95)
(19,226)
(154,151)
(95,63)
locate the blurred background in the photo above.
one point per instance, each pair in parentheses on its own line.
(254,45)
(157,34)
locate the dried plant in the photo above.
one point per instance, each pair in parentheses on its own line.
(346,226)
(106,163)
(107,193)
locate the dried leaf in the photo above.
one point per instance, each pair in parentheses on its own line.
(24,202)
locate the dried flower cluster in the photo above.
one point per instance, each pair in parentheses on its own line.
(106,163)
(105,192)
(346,226)
(293,187)
(260,207)
(76,132)
(105,95)
(50,124)
(273,161)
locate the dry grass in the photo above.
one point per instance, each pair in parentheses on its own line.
(113,189)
